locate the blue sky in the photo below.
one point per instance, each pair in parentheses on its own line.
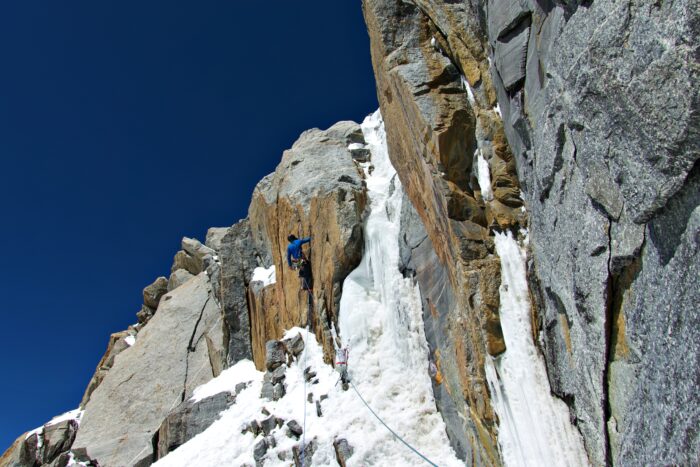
(126,125)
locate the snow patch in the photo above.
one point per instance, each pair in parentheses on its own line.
(534,426)
(242,372)
(355,146)
(265,275)
(130,340)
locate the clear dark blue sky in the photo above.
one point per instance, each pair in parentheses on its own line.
(125,125)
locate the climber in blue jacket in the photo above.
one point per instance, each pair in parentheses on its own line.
(295,255)
(297,260)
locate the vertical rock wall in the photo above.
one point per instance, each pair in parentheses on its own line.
(316,191)
(602,117)
(438,104)
(599,106)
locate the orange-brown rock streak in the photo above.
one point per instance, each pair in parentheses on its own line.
(317,191)
(437,101)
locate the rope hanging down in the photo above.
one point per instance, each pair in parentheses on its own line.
(306,352)
(392,431)
(303,438)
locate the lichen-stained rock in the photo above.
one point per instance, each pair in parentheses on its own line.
(168,360)
(317,190)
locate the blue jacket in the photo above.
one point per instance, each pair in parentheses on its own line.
(294,249)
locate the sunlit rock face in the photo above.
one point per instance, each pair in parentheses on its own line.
(316,191)
(442,124)
(598,105)
(173,354)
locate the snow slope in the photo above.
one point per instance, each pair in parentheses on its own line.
(381,323)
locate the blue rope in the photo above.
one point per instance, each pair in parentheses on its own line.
(303,436)
(392,431)
(306,352)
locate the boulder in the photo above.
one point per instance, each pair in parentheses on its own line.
(184,260)
(58,438)
(153,292)
(275,354)
(303,457)
(343,451)
(278,391)
(145,314)
(177,278)
(278,374)
(267,391)
(188,420)
(260,450)
(294,428)
(295,345)
(215,237)
(168,360)
(240,387)
(269,424)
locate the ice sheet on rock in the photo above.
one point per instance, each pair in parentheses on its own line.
(381,323)
(484,175)
(534,427)
(265,275)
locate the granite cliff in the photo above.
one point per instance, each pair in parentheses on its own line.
(564,130)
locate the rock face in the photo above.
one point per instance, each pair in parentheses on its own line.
(117,344)
(301,198)
(599,108)
(171,356)
(46,446)
(238,258)
(437,102)
(188,420)
(604,127)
